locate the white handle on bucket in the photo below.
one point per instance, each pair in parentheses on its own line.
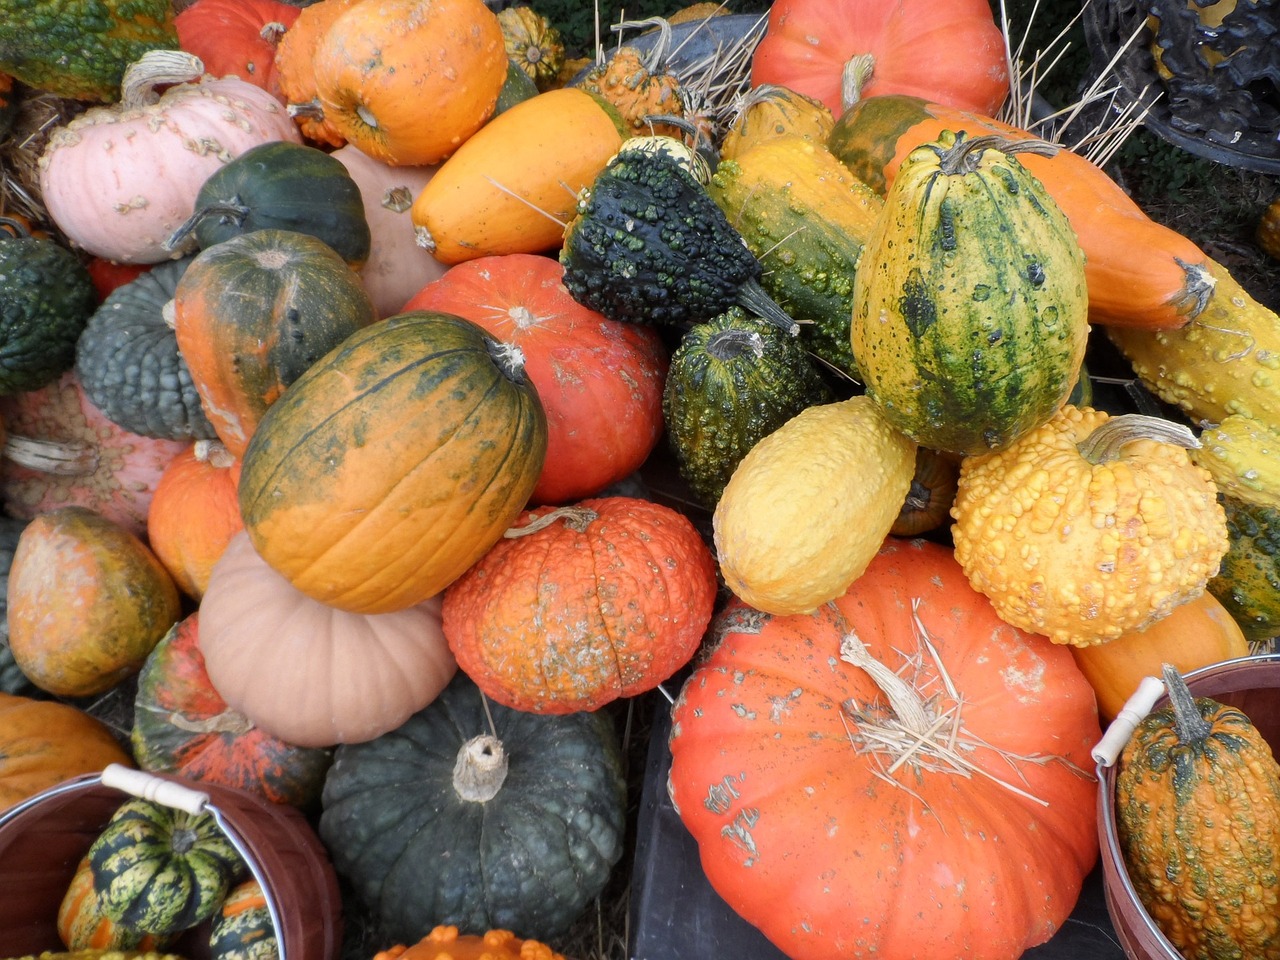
(150,787)
(1127,720)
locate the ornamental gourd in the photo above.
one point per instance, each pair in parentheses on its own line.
(970,313)
(83,926)
(640,84)
(393,463)
(242,928)
(1198,819)
(1248,583)
(899,750)
(447,943)
(1113,524)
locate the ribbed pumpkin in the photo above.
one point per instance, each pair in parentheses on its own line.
(87,602)
(252,313)
(393,463)
(446,943)
(43,743)
(236,38)
(578,606)
(1198,820)
(600,381)
(83,926)
(183,726)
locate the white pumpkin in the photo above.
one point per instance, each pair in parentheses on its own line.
(118,180)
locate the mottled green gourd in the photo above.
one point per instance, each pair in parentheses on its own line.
(1198,821)
(79,48)
(1248,582)
(732,381)
(1243,456)
(648,245)
(970,308)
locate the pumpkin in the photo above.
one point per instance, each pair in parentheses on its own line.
(308,673)
(77,52)
(600,382)
(194,513)
(769,111)
(61,450)
(83,926)
(44,742)
(1113,524)
(129,363)
(295,77)
(162,869)
(380,68)
(253,313)
(929,498)
(970,313)
(844,51)
(242,927)
(107,275)
(236,38)
(1196,634)
(513,185)
(182,726)
(420,435)
(578,606)
(898,774)
(640,84)
(87,602)
(532,43)
(446,942)
(149,155)
(809,505)
(477,816)
(397,267)
(1197,808)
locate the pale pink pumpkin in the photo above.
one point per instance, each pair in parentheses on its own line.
(62,451)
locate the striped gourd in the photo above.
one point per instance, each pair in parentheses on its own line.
(242,928)
(970,309)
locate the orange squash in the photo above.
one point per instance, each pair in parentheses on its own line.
(446,943)
(407,81)
(513,186)
(83,926)
(294,78)
(43,742)
(1193,635)
(87,602)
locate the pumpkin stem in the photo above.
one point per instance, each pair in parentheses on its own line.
(311,110)
(965,154)
(272,32)
(47,456)
(1104,444)
(575,518)
(480,770)
(657,59)
(153,69)
(228,721)
(508,357)
(857,71)
(903,699)
(730,344)
(228,212)
(213,453)
(1191,725)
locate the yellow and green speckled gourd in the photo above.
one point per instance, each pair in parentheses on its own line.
(970,313)
(1198,820)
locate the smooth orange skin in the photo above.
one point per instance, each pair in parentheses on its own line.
(87,602)
(236,37)
(43,742)
(407,81)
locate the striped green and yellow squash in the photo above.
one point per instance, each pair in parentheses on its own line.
(242,929)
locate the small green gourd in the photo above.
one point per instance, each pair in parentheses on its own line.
(1248,581)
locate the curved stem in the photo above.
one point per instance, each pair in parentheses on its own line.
(965,154)
(855,75)
(157,68)
(230,212)
(575,518)
(508,357)
(903,699)
(48,456)
(1106,441)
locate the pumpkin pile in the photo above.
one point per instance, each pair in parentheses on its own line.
(406,400)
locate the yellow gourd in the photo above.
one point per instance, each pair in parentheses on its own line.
(769,111)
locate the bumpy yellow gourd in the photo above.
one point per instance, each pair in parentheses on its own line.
(809,506)
(1082,535)
(1243,457)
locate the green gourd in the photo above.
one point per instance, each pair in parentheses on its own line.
(1248,581)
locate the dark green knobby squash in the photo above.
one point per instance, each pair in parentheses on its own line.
(12,679)
(281,186)
(1248,580)
(647,244)
(447,820)
(733,381)
(128,362)
(1198,821)
(160,869)
(970,311)
(48,296)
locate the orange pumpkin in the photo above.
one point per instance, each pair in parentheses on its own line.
(236,37)
(294,77)
(407,81)
(932,491)
(87,602)
(43,742)
(1195,634)
(194,514)
(446,943)
(581,605)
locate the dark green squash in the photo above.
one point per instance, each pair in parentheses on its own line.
(242,928)
(48,297)
(518,88)
(281,186)
(161,869)
(128,362)
(438,822)
(648,245)
(1248,581)
(732,381)
(1198,822)
(12,679)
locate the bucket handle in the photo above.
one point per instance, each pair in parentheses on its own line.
(139,783)
(1131,714)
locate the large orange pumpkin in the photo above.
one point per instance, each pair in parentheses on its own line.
(899,774)
(600,381)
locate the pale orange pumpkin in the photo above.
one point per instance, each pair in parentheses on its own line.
(407,81)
